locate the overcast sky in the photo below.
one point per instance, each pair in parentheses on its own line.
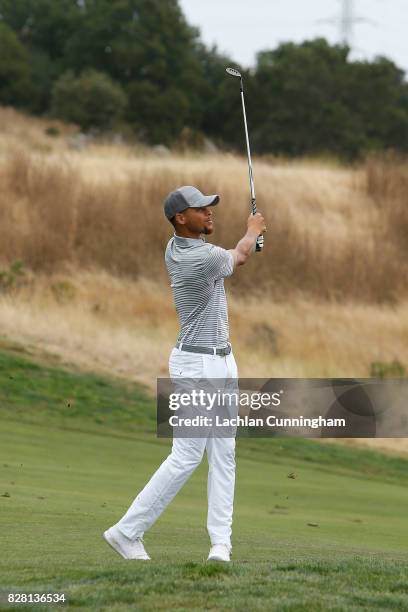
(243,27)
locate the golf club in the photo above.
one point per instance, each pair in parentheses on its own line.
(235,73)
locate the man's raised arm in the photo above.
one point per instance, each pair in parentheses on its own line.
(246,246)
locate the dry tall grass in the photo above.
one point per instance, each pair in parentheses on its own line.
(33,133)
(333,233)
(98,320)
(387,185)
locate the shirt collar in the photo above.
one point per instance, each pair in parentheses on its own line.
(186,242)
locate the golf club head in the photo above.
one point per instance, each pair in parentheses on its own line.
(233,72)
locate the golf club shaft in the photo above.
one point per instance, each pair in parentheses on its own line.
(259,240)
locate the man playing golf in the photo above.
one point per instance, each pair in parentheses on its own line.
(197,270)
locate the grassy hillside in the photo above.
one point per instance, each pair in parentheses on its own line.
(102,322)
(76,448)
(327,297)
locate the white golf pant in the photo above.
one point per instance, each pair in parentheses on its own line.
(185,456)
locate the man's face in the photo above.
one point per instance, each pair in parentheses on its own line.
(197,220)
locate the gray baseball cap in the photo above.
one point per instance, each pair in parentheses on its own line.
(187,197)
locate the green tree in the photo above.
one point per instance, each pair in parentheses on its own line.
(377,93)
(43,74)
(91,100)
(43,27)
(15,84)
(310,98)
(221,105)
(42,24)
(302,99)
(149,48)
(299,105)
(157,116)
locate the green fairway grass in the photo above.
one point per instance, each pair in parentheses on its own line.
(76,448)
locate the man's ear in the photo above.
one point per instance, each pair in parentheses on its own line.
(180,218)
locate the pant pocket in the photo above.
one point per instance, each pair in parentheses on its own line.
(215,366)
(186,365)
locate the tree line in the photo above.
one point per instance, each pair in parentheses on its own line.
(138,66)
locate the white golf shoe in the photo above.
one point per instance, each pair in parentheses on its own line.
(126,548)
(219,552)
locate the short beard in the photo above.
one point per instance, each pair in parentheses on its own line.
(207,231)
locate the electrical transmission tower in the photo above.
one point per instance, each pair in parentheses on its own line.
(346,21)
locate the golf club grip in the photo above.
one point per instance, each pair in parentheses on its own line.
(260,240)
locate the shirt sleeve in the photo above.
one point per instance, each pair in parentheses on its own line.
(219,263)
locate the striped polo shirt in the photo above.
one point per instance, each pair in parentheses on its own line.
(197,270)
